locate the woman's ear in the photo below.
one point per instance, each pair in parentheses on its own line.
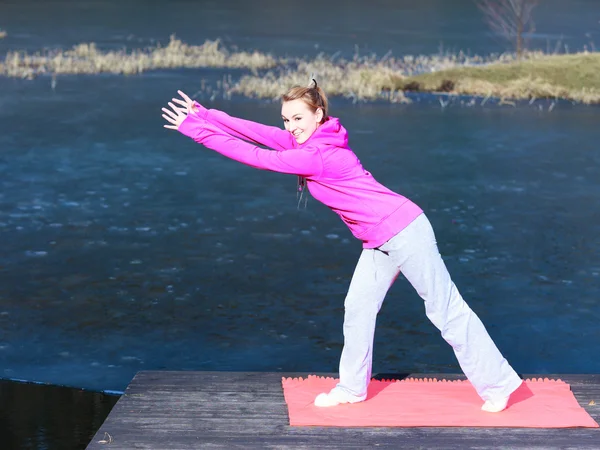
(319,114)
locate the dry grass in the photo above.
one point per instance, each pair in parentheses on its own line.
(88,59)
(362,78)
(355,79)
(573,77)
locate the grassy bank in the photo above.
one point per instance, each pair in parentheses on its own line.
(361,78)
(569,76)
(573,77)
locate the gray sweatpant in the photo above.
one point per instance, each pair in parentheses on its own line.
(414,252)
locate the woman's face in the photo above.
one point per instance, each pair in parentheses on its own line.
(300,120)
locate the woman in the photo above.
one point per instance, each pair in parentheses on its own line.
(396,235)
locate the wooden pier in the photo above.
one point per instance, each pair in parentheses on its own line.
(165,410)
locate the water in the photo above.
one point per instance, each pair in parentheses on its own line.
(127,247)
(291,28)
(50,417)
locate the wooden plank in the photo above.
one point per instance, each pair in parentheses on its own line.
(191,410)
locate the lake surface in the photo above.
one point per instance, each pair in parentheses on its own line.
(127,247)
(291,28)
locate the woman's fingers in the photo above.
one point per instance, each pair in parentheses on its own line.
(181,102)
(170,113)
(169,119)
(189,107)
(185,97)
(176,115)
(177,108)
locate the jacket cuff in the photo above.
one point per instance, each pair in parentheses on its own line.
(191,126)
(201,111)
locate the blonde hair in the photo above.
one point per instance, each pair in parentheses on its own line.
(313,96)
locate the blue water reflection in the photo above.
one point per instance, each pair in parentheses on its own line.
(129,247)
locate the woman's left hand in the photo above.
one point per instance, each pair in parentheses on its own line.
(177,114)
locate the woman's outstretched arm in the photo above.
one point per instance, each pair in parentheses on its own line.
(260,134)
(306,162)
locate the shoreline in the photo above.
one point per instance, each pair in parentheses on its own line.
(573,77)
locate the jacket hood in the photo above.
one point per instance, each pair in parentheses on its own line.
(330,133)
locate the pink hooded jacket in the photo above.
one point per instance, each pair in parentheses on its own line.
(334,174)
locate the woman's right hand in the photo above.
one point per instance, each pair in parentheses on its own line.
(177,114)
(187,102)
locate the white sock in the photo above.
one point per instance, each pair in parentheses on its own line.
(336,397)
(495,405)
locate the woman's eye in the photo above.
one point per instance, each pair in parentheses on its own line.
(298,119)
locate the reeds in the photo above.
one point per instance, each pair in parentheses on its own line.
(86,58)
(354,79)
(361,78)
(537,75)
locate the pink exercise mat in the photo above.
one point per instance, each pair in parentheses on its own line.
(537,403)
